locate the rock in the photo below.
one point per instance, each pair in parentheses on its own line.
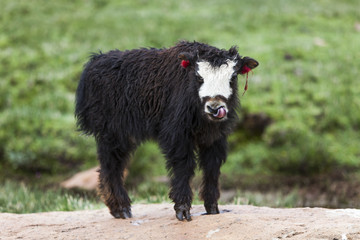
(87,180)
(157,221)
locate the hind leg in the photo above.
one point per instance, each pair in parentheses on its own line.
(113,161)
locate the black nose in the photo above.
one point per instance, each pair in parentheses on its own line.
(213,110)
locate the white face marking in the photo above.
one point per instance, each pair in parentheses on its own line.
(216,80)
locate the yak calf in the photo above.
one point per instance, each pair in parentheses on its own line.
(184,97)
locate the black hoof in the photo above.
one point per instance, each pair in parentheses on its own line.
(123,213)
(182,212)
(212,208)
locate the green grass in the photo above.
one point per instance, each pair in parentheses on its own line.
(18,197)
(307,81)
(271,199)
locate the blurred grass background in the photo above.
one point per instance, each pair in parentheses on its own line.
(298,141)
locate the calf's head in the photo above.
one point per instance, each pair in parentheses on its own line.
(215,72)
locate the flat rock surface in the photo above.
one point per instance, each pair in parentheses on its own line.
(157,221)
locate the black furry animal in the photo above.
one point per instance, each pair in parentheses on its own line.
(184,97)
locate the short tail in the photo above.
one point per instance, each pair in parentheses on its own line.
(80,105)
(81,101)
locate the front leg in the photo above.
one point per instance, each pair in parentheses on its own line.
(181,165)
(182,170)
(211,158)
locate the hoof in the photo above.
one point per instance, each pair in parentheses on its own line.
(182,212)
(212,208)
(123,213)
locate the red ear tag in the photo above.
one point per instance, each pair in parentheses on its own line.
(185,63)
(245,69)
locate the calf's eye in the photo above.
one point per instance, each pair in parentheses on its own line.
(200,79)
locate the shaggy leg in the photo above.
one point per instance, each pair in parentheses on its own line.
(180,191)
(113,162)
(211,159)
(181,165)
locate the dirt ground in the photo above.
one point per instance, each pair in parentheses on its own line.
(157,221)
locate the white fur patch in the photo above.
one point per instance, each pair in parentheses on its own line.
(216,80)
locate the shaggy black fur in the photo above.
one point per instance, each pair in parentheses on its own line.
(127,97)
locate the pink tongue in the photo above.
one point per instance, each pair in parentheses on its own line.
(220,113)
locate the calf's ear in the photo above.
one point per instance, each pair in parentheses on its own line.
(250,62)
(233,52)
(247,64)
(188,59)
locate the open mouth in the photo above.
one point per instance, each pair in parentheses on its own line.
(217,113)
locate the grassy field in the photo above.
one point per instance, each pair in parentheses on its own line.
(18,197)
(306,84)
(21,198)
